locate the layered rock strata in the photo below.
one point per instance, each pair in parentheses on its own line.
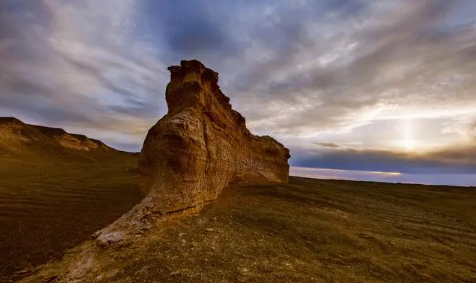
(202,145)
(190,155)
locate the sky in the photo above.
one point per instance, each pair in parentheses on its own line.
(379,90)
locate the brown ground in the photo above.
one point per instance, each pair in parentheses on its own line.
(307,231)
(46,209)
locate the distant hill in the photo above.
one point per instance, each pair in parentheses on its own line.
(19,140)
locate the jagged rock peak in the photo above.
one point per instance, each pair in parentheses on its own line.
(202,144)
(190,76)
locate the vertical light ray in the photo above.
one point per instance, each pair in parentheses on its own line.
(408,141)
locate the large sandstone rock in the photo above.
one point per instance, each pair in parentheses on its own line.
(193,153)
(202,145)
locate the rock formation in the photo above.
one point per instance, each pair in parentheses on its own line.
(188,158)
(202,145)
(195,151)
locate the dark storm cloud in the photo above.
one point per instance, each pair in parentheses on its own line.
(458,160)
(190,29)
(427,179)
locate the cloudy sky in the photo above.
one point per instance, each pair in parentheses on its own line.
(357,89)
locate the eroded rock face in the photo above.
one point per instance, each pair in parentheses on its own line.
(193,153)
(202,145)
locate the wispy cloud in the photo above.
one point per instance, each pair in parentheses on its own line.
(325,71)
(327,144)
(73,64)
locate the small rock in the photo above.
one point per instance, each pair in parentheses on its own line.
(244,270)
(175,273)
(21,272)
(51,279)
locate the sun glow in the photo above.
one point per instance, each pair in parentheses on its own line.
(408,141)
(409,144)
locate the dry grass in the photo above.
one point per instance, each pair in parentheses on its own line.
(307,231)
(317,231)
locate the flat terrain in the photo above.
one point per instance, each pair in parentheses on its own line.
(47,208)
(307,231)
